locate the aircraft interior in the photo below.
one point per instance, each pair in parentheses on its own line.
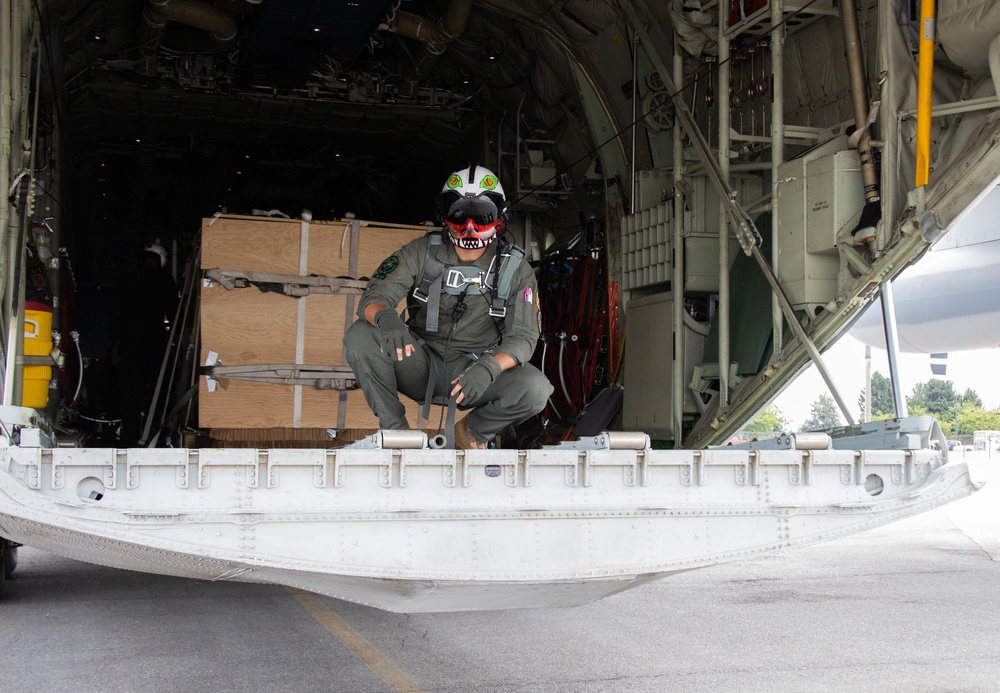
(723,186)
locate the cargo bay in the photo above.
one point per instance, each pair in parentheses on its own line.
(710,197)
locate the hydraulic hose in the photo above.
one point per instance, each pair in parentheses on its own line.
(545,349)
(562,375)
(75,336)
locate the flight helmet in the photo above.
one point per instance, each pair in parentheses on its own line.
(472,207)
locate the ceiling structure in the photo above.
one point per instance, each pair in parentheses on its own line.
(177,109)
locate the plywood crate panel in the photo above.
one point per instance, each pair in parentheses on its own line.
(251,327)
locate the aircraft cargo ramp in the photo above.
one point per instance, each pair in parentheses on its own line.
(391,523)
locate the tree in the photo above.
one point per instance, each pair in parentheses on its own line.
(971,397)
(769,422)
(883,404)
(972,418)
(938,397)
(824,415)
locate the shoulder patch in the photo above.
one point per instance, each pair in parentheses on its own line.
(386,268)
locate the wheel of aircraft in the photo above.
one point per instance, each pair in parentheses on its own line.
(9,559)
(3,559)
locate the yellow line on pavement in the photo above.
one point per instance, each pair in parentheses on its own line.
(373,658)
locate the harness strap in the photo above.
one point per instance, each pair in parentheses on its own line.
(433,267)
(433,304)
(505,282)
(429,291)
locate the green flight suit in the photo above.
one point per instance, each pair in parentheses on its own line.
(515,395)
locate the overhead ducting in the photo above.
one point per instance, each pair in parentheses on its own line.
(218,26)
(435,35)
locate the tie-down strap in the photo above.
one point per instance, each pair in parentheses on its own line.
(288,284)
(320,377)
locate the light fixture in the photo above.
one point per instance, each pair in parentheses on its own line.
(489,53)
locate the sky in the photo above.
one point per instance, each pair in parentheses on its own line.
(845,360)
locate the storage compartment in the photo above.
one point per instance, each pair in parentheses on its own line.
(648,402)
(821,195)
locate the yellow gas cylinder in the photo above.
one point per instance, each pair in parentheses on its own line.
(37,342)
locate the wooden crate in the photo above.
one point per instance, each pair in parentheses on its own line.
(250,327)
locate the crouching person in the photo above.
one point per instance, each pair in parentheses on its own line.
(474,328)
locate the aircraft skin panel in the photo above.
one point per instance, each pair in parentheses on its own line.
(949,300)
(441,530)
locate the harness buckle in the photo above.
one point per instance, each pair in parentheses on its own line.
(454,279)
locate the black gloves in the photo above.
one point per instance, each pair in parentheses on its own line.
(476,378)
(395,335)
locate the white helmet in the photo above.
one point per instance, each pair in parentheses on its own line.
(472,207)
(159,250)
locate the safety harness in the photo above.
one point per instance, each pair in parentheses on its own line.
(499,281)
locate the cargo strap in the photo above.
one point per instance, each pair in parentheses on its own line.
(320,377)
(288,284)
(46,360)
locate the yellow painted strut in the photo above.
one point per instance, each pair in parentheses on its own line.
(925,80)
